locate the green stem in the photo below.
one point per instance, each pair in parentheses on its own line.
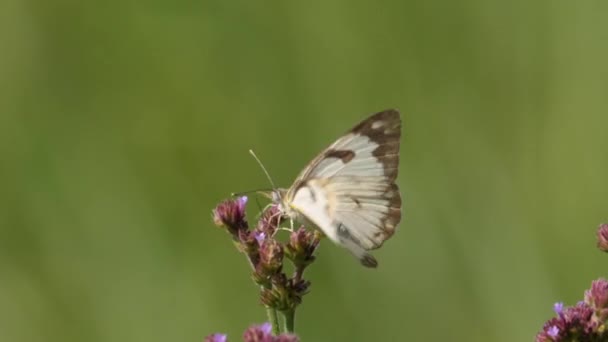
(273,319)
(270,312)
(289,319)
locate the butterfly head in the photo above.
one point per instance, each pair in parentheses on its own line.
(279,197)
(275,195)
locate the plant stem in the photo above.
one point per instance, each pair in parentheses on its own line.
(297,275)
(270,312)
(273,319)
(289,319)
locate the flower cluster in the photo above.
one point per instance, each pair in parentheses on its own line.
(256,333)
(571,324)
(266,254)
(586,321)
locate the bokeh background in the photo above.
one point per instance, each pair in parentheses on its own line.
(123,123)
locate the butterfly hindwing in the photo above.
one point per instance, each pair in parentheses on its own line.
(349,190)
(371,211)
(313,202)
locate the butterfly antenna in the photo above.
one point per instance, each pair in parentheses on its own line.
(236,194)
(263,168)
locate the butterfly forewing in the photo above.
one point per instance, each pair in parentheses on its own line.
(349,190)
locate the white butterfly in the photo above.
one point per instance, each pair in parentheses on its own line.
(348,191)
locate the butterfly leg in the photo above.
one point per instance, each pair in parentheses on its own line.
(290,229)
(283,228)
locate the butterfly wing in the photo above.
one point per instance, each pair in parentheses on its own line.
(349,190)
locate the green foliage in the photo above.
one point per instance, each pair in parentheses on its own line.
(122,124)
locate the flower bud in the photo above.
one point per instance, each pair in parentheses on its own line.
(271,257)
(231,215)
(302,245)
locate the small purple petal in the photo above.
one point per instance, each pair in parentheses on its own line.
(216,338)
(266,328)
(242,201)
(558,307)
(553,331)
(258,333)
(259,236)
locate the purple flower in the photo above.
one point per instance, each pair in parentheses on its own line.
(558,307)
(265,327)
(259,236)
(256,333)
(263,333)
(553,331)
(259,333)
(602,237)
(216,338)
(231,214)
(573,323)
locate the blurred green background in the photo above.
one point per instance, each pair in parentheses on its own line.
(123,123)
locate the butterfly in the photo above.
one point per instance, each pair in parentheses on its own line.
(348,191)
